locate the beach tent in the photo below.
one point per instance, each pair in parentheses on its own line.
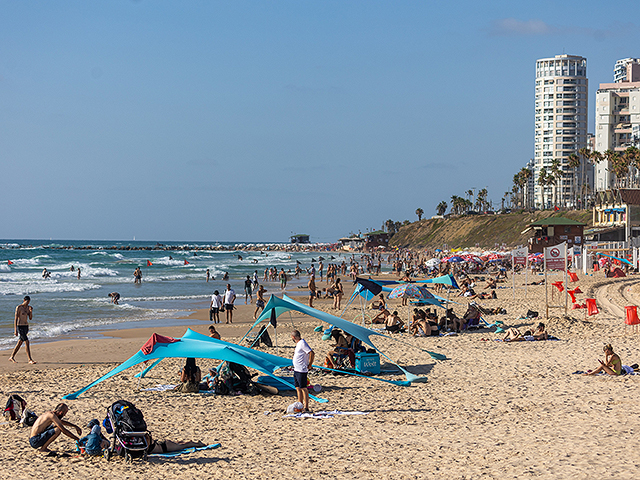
(285,304)
(196,345)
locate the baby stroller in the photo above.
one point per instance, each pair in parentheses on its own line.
(130,437)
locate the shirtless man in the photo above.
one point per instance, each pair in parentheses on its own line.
(24,313)
(394,324)
(312,289)
(49,426)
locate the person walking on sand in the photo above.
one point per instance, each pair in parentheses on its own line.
(248,291)
(303,357)
(229,298)
(259,301)
(214,307)
(24,313)
(49,426)
(312,289)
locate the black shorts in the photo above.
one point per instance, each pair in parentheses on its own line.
(300,379)
(23,330)
(215,310)
(228,307)
(260,303)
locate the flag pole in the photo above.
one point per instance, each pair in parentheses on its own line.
(546,290)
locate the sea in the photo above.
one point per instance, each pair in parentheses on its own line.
(173,284)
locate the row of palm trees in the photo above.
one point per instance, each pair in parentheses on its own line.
(624,166)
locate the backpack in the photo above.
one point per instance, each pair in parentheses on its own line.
(128,417)
(14,408)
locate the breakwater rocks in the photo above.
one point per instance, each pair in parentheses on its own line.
(278,247)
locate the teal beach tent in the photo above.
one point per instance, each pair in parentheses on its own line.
(196,345)
(285,304)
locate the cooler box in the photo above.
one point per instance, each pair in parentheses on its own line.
(368,362)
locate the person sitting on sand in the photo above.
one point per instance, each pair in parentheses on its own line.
(190,377)
(394,324)
(213,333)
(49,426)
(379,304)
(612,364)
(540,333)
(491,284)
(418,326)
(341,347)
(166,446)
(94,442)
(471,315)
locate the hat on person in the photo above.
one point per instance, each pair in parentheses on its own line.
(92,423)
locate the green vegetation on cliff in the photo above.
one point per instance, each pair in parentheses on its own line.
(484,230)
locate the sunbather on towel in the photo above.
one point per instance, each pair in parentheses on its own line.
(611,365)
(514,335)
(167,446)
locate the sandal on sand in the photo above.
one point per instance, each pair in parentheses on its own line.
(51,454)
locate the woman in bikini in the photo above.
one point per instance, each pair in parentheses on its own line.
(611,365)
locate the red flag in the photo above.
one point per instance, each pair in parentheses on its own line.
(186,263)
(9,262)
(556,208)
(149,263)
(573,276)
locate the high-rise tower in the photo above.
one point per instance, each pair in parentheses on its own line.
(560,125)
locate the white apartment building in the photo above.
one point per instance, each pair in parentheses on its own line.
(620,70)
(560,123)
(617,119)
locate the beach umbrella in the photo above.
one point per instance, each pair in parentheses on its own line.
(406,290)
(433,262)
(453,259)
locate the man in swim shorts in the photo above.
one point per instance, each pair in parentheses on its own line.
(229,298)
(49,426)
(24,313)
(312,289)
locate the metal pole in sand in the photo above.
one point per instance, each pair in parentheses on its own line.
(566,269)
(546,290)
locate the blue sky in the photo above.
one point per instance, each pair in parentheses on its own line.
(246,121)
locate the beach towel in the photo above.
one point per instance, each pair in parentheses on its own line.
(159,388)
(184,451)
(323,414)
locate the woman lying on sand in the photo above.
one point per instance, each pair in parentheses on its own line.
(611,365)
(514,335)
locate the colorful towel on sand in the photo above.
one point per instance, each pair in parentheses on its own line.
(185,451)
(159,388)
(323,414)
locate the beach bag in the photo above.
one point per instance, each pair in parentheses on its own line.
(14,408)
(28,418)
(532,314)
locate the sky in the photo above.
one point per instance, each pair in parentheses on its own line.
(252,120)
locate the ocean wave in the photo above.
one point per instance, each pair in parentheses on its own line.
(59,329)
(32,288)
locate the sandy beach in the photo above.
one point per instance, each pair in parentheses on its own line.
(492,410)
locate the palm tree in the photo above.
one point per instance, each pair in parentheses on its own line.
(542,181)
(419,213)
(391,227)
(441,208)
(573,161)
(556,174)
(585,155)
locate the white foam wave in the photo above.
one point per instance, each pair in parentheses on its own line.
(31,288)
(49,331)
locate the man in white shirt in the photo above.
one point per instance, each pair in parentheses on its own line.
(229,298)
(302,362)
